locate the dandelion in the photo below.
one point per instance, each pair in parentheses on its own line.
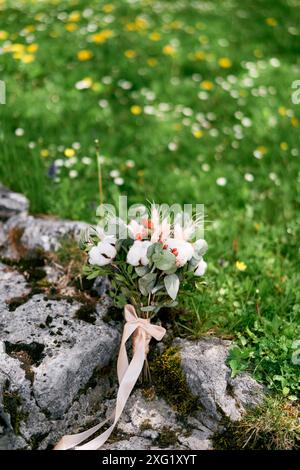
(44,153)
(74,16)
(221,181)
(27,58)
(198,134)
(130,54)
(3,35)
(240,265)
(271,22)
(108,8)
(101,37)
(152,62)
(284,146)
(84,55)
(154,36)
(136,109)
(168,49)
(70,27)
(282,111)
(73,174)
(69,152)
(206,85)
(32,48)
(200,55)
(225,63)
(295,122)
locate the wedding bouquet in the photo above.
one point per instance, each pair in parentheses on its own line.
(148,261)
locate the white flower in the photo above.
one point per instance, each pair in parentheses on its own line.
(103,253)
(181,249)
(200,268)
(136,230)
(138,253)
(221,181)
(73,174)
(119,181)
(114,174)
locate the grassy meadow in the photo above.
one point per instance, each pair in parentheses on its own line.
(192,103)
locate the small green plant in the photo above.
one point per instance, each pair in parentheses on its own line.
(275,425)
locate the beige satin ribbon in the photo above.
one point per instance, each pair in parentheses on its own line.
(128,373)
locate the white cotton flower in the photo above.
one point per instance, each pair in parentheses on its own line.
(103,253)
(181,249)
(200,268)
(137,253)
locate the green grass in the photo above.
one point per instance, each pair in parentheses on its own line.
(182,139)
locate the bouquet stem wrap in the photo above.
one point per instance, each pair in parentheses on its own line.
(128,373)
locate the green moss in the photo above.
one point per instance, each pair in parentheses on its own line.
(170,382)
(272,426)
(167,437)
(12,406)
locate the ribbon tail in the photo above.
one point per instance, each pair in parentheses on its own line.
(126,386)
(72,440)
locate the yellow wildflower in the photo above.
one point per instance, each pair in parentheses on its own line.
(282,110)
(295,121)
(29,29)
(130,54)
(69,152)
(271,22)
(224,62)
(27,58)
(108,8)
(199,55)
(136,109)
(154,36)
(207,85)
(152,62)
(198,134)
(44,153)
(240,266)
(32,48)
(102,36)
(71,27)
(74,16)
(284,146)
(3,35)
(84,55)
(168,49)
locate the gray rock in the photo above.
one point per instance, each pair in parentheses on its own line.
(136,443)
(11,203)
(42,233)
(209,378)
(69,349)
(197,440)
(12,285)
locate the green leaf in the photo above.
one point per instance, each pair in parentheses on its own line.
(234,365)
(141,270)
(172,285)
(154,249)
(164,261)
(146,283)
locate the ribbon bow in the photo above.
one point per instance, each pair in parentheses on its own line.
(128,373)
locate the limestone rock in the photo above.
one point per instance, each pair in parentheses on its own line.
(209,379)
(11,203)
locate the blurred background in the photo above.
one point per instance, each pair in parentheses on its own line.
(192,103)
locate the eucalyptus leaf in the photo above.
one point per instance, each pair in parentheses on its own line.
(172,285)
(141,270)
(146,283)
(164,261)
